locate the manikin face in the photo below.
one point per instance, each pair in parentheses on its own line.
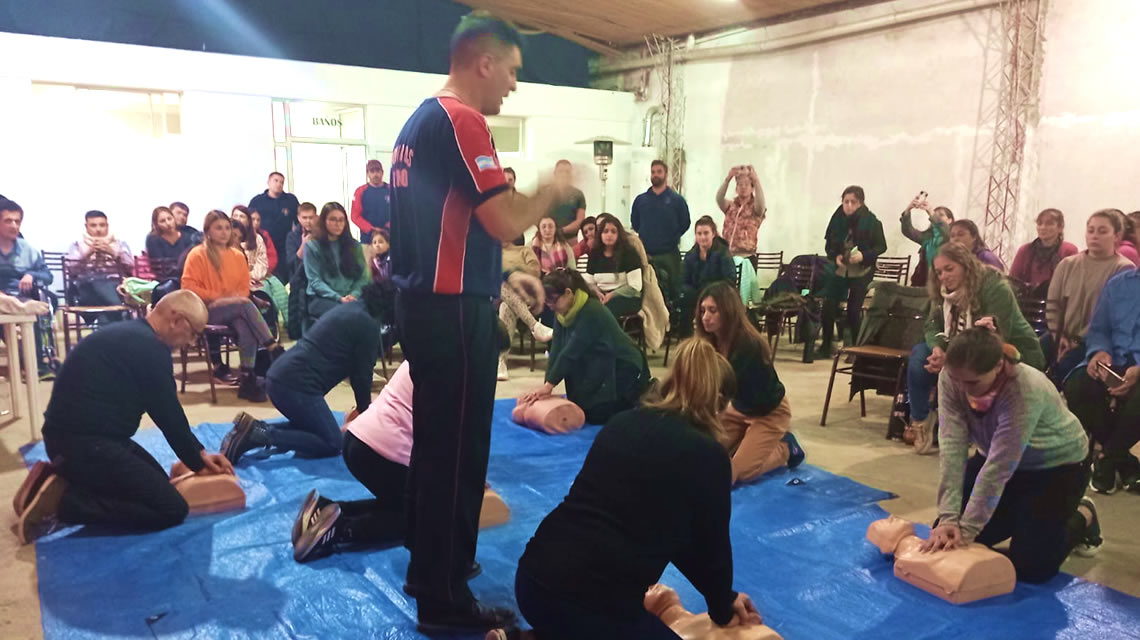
(546,228)
(180,216)
(379,244)
(710,316)
(974,384)
(657,175)
(1100,238)
(165,222)
(335,223)
(306,217)
(704,234)
(1048,230)
(500,78)
(237,215)
(851,204)
(276,184)
(220,232)
(609,234)
(560,302)
(96,227)
(10,222)
(961,235)
(949,273)
(376,176)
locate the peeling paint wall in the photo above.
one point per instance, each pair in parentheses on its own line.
(905,109)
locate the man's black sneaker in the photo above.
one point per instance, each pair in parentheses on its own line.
(1104,476)
(462,618)
(317,540)
(1091,543)
(796,453)
(1129,470)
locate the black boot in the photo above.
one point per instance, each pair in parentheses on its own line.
(246,435)
(249,388)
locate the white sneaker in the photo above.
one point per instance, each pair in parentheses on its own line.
(503,369)
(541,332)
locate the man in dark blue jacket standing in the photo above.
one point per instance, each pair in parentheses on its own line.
(660,217)
(278,211)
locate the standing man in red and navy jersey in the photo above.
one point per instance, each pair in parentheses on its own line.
(451,211)
(372,202)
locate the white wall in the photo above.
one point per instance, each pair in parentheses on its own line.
(898,111)
(225,149)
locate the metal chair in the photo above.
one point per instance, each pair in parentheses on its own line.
(227,341)
(72,311)
(772,261)
(802,276)
(893,269)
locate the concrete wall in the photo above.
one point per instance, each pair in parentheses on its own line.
(57,169)
(904,109)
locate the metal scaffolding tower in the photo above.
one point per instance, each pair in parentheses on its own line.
(671,77)
(1023,25)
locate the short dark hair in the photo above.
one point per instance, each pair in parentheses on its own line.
(307,206)
(475,30)
(510,171)
(977,349)
(94,213)
(10,205)
(660,163)
(181,205)
(275,173)
(856,191)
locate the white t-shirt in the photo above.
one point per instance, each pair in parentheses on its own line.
(386,425)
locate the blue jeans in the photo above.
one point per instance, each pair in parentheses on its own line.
(554,617)
(312,431)
(919,382)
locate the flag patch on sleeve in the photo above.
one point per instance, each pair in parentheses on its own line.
(486,163)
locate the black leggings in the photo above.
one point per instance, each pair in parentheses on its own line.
(1038,514)
(114,482)
(1116,431)
(378,520)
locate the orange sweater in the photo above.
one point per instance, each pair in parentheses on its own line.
(203,279)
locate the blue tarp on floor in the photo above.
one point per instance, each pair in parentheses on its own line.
(799,552)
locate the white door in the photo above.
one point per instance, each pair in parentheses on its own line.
(327,173)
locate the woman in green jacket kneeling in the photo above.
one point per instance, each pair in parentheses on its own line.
(605,372)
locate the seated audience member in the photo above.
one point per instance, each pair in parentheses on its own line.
(380,266)
(551,247)
(965,233)
(181,218)
(166,245)
(1128,246)
(270,250)
(1108,404)
(372,202)
(1026,480)
(854,241)
(109,380)
(587,243)
(755,425)
(343,344)
(1035,261)
(22,268)
(219,274)
(654,489)
(744,214)
(930,239)
(98,263)
(271,284)
(604,371)
(334,264)
(251,245)
(1076,284)
(294,259)
(707,262)
(516,305)
(614,270)
(963,293)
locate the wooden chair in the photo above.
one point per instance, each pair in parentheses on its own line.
(72,312)
(739,274)
(523,332)
(227,342)
(772,261)
(802,276)
(634,326)
(893,269)
(893,363)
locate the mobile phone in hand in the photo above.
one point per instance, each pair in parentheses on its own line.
(1112,378)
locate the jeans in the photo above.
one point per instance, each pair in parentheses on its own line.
(241,315)
(554,617)
(1116,431)
(451,347)
(312,431)
(99,292)
(919,382)
(1037,513)
(114,482)
(623,305)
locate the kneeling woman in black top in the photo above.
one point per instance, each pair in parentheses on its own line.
(604,370)
(654,489)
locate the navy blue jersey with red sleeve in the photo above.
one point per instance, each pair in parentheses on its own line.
(444,166)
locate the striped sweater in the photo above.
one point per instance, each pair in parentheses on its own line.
(1027,428)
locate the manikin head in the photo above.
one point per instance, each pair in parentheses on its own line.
(486,55)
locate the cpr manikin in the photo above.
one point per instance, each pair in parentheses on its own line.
(209,493)
(961,575)
(664,603)
(551,415)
